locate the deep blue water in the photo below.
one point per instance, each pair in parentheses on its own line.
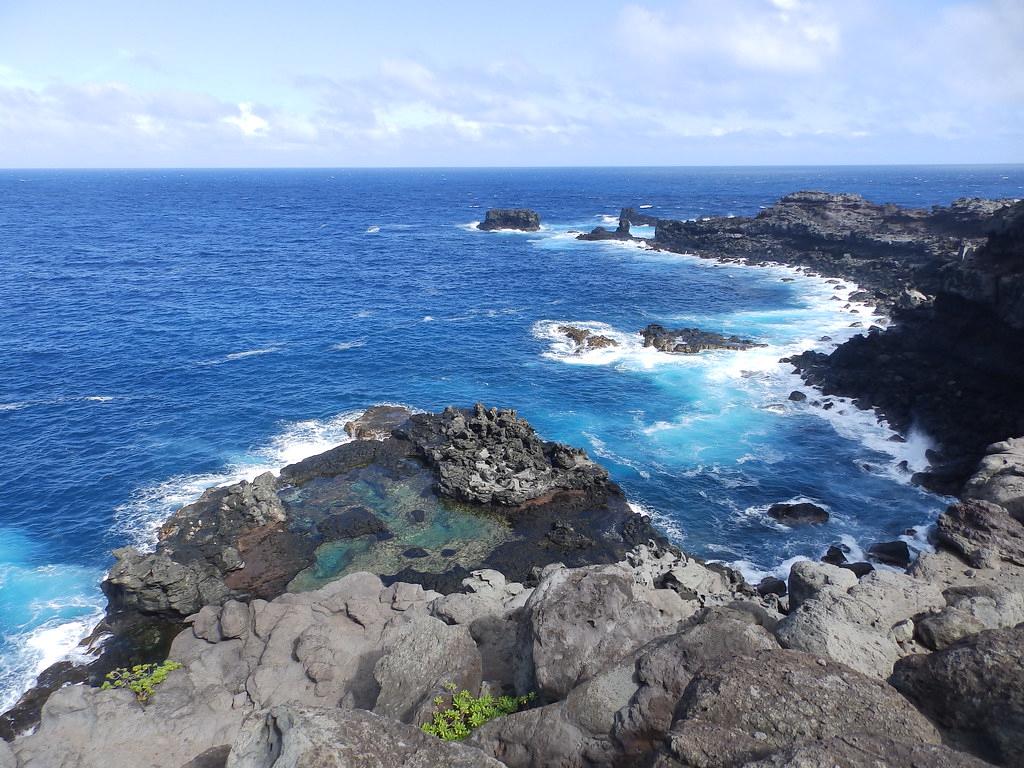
(161,331)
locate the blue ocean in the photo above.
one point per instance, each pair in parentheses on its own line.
(163,331)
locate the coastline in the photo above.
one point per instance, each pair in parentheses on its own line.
(937,567)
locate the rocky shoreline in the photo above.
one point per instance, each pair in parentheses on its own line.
(653,658)
(317,617)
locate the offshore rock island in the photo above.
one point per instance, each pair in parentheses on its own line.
(316,616)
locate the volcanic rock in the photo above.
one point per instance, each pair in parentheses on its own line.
(510,218)
(798,513)
(974,690)
(310,737)
(690,341)
(748,708)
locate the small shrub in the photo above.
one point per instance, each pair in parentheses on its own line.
(468,712)
(142,679)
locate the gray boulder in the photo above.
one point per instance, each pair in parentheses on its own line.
(749,708)
(666,666)
(974,690)
(619,715)
(867,625)
(353,643)
(807,578)
(155,584)
(579,622)
(307,737)
(421,657)
(983,533)
(1000,476)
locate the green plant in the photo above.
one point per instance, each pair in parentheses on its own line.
(468,712)
(141,679)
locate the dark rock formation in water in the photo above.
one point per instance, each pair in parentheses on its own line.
(953,369)
(690,341)
(586,340)
(799,513)
(601,233)
(510,218)
(885,248)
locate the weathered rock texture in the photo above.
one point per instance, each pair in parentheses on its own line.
(510,218)
(974,690)
(751,707)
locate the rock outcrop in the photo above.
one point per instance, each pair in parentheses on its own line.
(621,232)
(974,690)
(866,624)
(999,478)
(510,218)
(585,339)
(798,513)
(749,708)
(690,341)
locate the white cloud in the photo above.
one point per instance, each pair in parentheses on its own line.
(682,81)
(247,121)
(781,36)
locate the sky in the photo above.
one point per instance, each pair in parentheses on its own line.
(110,83)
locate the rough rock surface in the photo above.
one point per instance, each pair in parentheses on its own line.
(866,625)
(621,714)
(377,422)
(491,456)
(690,341)
(510,218)
(306,737)
(974,690)
(982,532)
(353,643)
(750,707)
(999,477)
(581,621)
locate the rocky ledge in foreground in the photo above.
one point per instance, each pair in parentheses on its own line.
(432,498)
(690,341)
(510,218)
(657,660)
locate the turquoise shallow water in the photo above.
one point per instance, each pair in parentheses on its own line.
(161,331)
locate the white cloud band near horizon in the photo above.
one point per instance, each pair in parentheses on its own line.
(757,82)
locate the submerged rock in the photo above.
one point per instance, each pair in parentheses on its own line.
(510,218)
(690,341)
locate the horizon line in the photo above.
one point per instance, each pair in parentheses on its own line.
(6,169)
